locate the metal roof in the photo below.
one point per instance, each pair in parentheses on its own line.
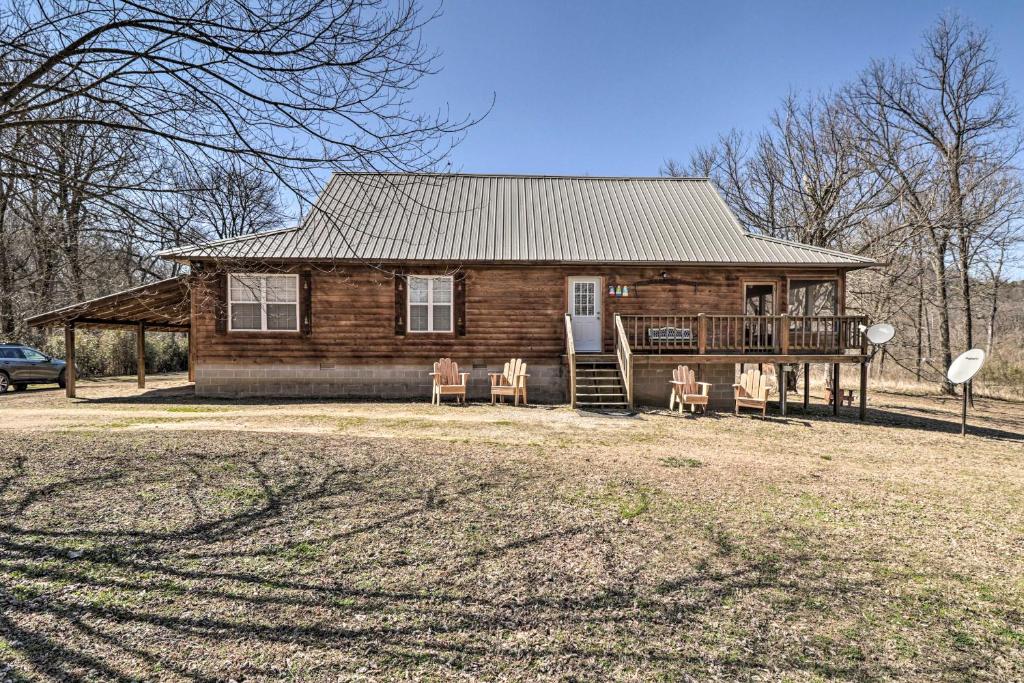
(162,306)
(460,218)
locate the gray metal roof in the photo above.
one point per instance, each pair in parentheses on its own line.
(516,218)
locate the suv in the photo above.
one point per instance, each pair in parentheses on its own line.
(21,365)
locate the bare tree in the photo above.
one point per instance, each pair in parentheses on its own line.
(951,114)
(292,89)
(801,178)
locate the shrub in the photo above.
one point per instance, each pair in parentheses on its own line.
(105,353)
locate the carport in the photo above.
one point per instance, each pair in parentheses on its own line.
(163,306)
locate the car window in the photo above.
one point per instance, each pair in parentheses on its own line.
(10,352)
(32,354)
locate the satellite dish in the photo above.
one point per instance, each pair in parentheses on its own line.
(879,334)
(966,366)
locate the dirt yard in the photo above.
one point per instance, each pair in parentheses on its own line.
(150,535)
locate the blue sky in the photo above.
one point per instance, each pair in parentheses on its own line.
(614,88)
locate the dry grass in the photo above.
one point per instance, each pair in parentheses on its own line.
(162,537)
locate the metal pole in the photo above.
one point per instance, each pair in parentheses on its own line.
(963,416)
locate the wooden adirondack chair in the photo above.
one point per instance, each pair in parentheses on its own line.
(510,382)
(448,380)
(686,390)
(752,391)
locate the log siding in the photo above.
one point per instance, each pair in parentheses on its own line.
(510,311)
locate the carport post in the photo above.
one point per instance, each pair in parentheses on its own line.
(140,353)
(69,359)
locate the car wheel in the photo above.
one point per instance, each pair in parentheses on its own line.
(62,380)
(5,382)
(20,387)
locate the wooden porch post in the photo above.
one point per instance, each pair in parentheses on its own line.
(69,359)
(863,390)
(140,354)
(807,385)
(191,356)
(781,372)
(836,393)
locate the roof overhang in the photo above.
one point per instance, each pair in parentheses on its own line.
(163,306)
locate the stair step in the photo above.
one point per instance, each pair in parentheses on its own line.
(584,404)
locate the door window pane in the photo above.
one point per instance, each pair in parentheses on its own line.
(32,354)
(583,295)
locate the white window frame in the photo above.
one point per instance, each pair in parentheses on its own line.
(429,304)
(263,302)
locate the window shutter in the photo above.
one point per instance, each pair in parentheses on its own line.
(459,284)
(220,302)
(306,294)
(400,299)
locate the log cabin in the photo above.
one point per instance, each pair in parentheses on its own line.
(602,285)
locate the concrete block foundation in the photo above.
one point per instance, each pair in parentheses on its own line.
(547,383)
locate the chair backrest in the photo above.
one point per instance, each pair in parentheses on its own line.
(447,372)
(513,370)
(754,384)
(687,377)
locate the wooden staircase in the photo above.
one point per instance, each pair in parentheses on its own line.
(598,383)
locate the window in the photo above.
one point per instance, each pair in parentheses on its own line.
(263,303)
(10,352)
(812,297)
(430,303)
(759,299)
(583,299)
(33,355)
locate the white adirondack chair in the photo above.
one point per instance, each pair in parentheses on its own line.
(686,390)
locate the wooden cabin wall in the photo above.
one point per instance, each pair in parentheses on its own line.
(510,311)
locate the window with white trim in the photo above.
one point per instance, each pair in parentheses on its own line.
(263,303)
(430,303)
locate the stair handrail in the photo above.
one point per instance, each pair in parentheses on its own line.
(570,350)
(624,355)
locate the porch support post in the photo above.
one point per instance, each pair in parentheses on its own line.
(781,372)
(191,356)
(863,390)
(69,359)
(807,385)
(140,354)
(836,393)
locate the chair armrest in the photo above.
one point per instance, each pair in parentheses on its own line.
(705,387)
(464,375)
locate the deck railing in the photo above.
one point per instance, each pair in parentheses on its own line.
(624,354)
(743,334)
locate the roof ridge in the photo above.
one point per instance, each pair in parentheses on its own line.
(561,176)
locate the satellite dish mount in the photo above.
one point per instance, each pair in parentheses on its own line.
(962,371)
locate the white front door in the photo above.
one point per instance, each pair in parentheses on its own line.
(585,309)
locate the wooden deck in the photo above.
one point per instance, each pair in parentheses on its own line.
(744,335)
(783,340)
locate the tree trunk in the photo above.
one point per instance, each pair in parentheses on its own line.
(939,266)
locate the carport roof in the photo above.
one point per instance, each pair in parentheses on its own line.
(160,306)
